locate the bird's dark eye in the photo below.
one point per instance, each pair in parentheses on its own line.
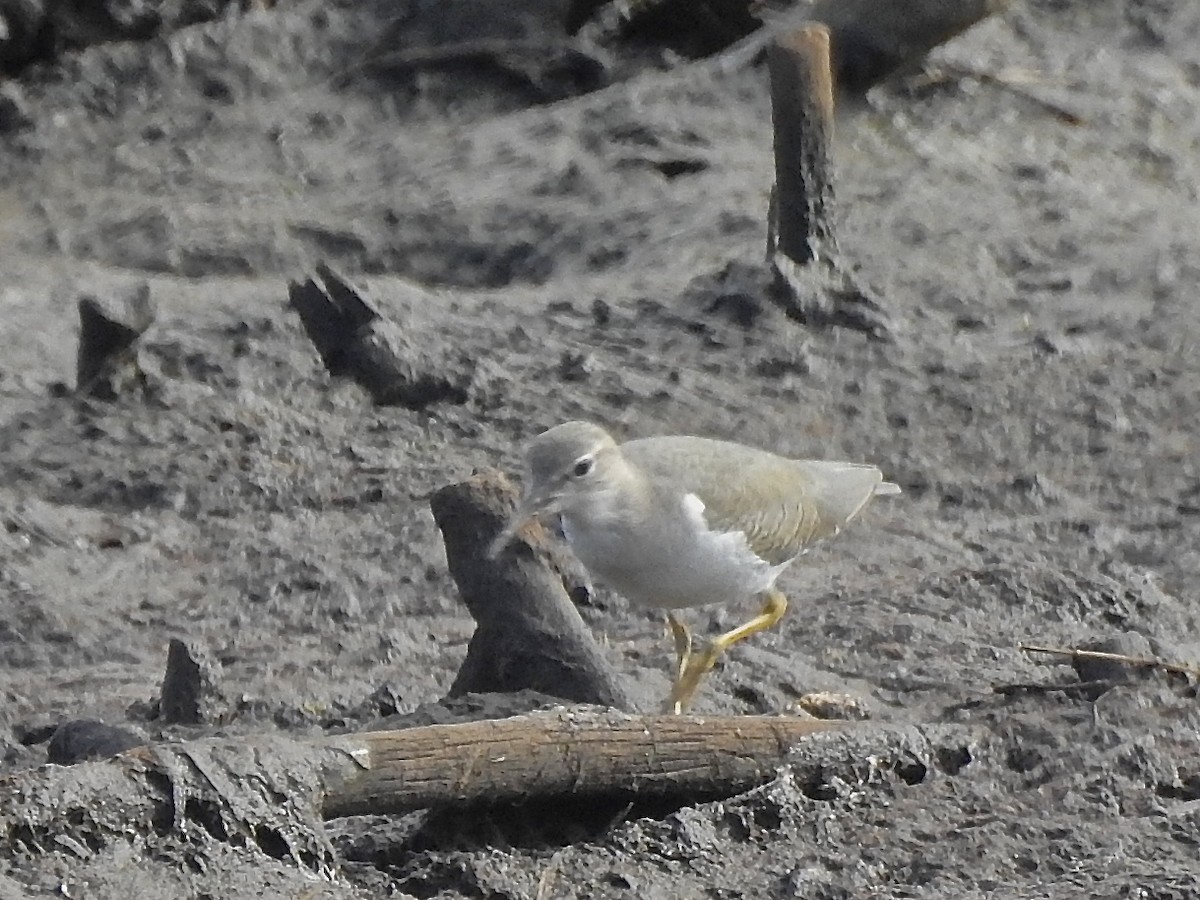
(583,467)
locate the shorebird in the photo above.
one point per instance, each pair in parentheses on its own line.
(676,522)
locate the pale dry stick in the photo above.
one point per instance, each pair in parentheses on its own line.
(1149,661)
(935,74)
(1011,81)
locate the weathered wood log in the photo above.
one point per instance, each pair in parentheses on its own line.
(354,339)
(106,362)
(570,753)
(529,635)
(269,794)
(233,787)
(810,283)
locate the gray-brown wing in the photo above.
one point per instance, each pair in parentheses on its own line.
(782,505)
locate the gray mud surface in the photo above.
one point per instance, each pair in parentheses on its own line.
(561,251)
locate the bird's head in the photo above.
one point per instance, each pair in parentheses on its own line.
(567,467)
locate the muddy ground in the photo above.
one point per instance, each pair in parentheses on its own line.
(559,248)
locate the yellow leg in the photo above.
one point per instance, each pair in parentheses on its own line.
(697,666)
(683,644)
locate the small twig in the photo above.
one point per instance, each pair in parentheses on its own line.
(1146,661)
(1013,82)
(459,53)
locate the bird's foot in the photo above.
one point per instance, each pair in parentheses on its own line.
(694,666)
(691,673)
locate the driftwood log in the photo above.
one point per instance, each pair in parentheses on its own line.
(529,635)
(355,339)
(271,793)
(561,755)
(275,789)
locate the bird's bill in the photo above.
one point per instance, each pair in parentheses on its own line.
(528,509)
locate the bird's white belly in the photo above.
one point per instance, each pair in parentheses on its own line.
(670,567)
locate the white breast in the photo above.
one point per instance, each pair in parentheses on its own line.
(669,560)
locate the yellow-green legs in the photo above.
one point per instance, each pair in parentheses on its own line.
(693,667)
(683,644)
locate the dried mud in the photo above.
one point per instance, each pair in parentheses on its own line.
(566,254)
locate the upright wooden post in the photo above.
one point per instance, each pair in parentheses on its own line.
(802,226)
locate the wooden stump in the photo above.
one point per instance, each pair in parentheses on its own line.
(810,283)
(529,635)
(106,362)
(356,340)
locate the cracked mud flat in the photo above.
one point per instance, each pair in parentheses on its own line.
(1039,407)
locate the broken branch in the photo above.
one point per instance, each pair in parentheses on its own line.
(802,114)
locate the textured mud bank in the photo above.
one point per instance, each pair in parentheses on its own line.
(561,252)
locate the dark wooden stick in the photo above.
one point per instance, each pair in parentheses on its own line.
(529,636)
(191,693)
(1081,690)
(106,361)
(353,338)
